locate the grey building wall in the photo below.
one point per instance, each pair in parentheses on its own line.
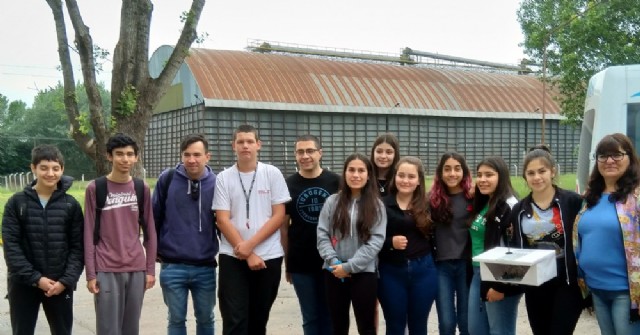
(341,134)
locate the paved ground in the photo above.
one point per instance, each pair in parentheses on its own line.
(285,315)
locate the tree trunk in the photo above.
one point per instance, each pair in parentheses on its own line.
(134,94)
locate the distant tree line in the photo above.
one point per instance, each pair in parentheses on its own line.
(45,122)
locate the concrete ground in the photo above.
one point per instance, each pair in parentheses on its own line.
(285,314)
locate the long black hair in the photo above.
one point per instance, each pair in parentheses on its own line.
(503,191)
(369,208)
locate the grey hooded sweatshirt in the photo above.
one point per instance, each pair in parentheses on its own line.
(356,256)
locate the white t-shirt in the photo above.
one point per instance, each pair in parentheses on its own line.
(269,189)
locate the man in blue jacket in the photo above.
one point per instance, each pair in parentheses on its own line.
(187,240)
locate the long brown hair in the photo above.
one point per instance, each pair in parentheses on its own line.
(419,205)
(369,208)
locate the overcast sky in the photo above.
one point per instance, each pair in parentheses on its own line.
(485,30)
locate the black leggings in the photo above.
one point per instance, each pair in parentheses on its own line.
(361,291)
(554,307)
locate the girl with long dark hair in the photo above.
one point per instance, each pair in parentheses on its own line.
(544,220)
(351,231)
(493,307)
(450,201)
(385,154)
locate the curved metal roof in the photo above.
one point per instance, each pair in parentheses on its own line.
(222,75)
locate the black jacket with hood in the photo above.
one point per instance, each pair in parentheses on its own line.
(495,235)
(43,241)
(569,204)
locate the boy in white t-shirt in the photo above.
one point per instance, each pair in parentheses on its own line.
(249,203)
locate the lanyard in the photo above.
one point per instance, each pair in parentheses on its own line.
(247,196)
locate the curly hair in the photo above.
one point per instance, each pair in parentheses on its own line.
(439,197)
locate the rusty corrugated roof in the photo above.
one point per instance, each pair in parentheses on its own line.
(274,78)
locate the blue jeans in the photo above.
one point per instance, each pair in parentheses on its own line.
(452,301)
(406,294)
(612,311)
(176,281)
(313,302)
(495,318)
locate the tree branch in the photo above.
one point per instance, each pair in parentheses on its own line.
(189,34)
(70,100)
(84,44)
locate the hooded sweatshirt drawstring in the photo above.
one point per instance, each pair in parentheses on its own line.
(199,204)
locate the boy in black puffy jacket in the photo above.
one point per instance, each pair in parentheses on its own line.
(42,230)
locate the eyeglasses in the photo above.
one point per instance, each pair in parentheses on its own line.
(618,156)
(195,189)
(306,151)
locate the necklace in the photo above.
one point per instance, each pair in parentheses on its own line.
(381,185)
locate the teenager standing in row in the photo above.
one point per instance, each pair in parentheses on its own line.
(42,233)
(544,220)
(351,231)
(249,203)
(493,307)
(450,200)
(408,277)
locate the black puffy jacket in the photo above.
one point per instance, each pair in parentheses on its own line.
(43,241)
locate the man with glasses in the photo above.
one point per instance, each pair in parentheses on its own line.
(187,240)
(309,188)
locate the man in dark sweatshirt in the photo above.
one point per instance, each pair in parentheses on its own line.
(187,240)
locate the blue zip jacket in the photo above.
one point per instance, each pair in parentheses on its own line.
(186,228)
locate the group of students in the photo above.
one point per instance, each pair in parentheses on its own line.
(383,236)
(373,235)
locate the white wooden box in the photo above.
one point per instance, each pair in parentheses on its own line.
(517,266)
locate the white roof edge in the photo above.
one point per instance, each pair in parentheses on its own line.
(243,104)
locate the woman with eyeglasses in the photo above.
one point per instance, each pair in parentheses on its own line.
(606,237)
(544,220)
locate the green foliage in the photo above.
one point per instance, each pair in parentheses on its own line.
(581,37)
(4,105)
(101,56)
(45,122)
(128,101)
